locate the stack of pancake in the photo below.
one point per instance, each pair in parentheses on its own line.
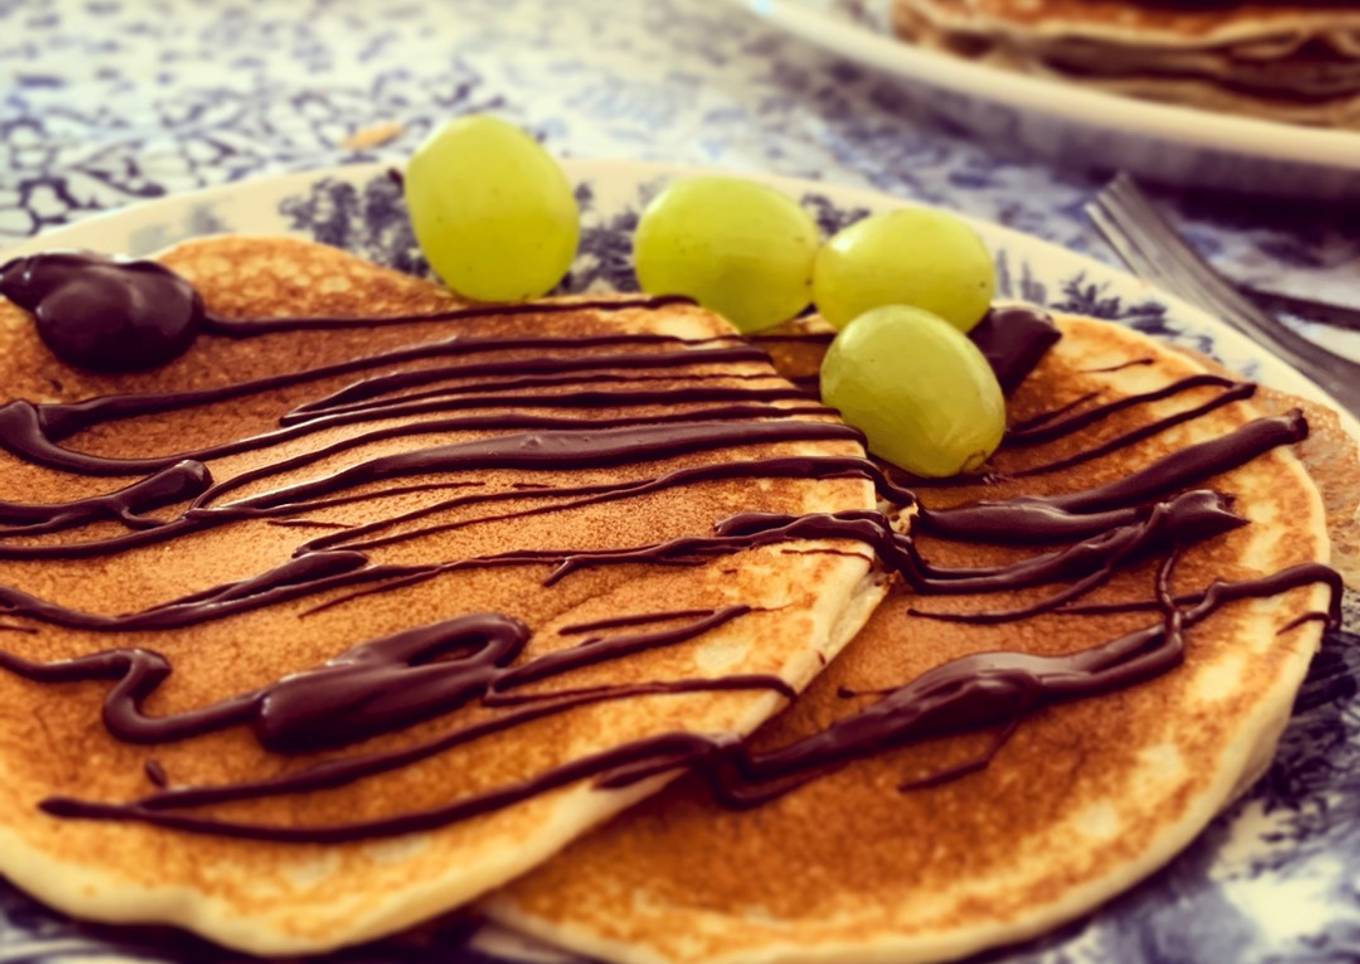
(1295,62)
(583,480)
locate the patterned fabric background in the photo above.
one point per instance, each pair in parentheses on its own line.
(106,102)
(109,101)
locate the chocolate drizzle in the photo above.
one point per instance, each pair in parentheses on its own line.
(1089,511)
(381,686)
(963,695)
(1014,339)
(422,674)
(105,314)
(172,485)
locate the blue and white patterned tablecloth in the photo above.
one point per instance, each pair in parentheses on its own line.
(106,102)
(109,101)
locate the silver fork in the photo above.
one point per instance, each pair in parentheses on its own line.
(1155,252)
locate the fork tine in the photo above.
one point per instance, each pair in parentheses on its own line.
(1157,239)
(1143,253)
(1123,245)
(1186,262)
(1125,219)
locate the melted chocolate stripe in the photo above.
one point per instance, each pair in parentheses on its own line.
(1192,465)
(178,483)
(808,468)
(379,385)
(1188,518)
(1051,414)
(1041,518)
(794,337)
(1024,521)
(587,398)
(376,688)
(62,420)
(1121,366)
(597,650)
(732,682)
(540,451)
(200,516)
(1238,392)
(321,572)
(538,382)
(681,744)
(1055,428)
(633,619)
(254,327)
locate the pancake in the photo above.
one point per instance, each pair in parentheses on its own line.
(1169,23)
(1081,799)
(340,592)
(1298,63)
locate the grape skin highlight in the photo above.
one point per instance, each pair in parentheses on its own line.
(493,212)
(911,256)
(921,392)
(739,248)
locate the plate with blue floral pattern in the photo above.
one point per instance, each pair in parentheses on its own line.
(1274,880)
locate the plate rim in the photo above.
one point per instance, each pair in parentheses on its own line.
(1260,138)
(589,168)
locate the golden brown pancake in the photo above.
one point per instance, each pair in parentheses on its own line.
(1083,800)
(806,597)
(1171,23)
(1295,62)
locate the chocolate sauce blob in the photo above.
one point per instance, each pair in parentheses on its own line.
(105,314)
(1014,338)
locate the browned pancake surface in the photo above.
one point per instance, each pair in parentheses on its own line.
(273,897)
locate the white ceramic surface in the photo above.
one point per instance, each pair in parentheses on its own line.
(1069,122)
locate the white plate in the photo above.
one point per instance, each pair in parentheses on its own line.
(1081,125)
(1270,880)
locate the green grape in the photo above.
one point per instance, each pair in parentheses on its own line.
(738,248)
(917,388)
(911,256)
(493,212)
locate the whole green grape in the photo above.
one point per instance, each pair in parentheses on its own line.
(911,256)
(920,391)
(739,248)
(493,212)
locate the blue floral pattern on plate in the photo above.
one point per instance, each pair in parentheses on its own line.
(1274,880)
